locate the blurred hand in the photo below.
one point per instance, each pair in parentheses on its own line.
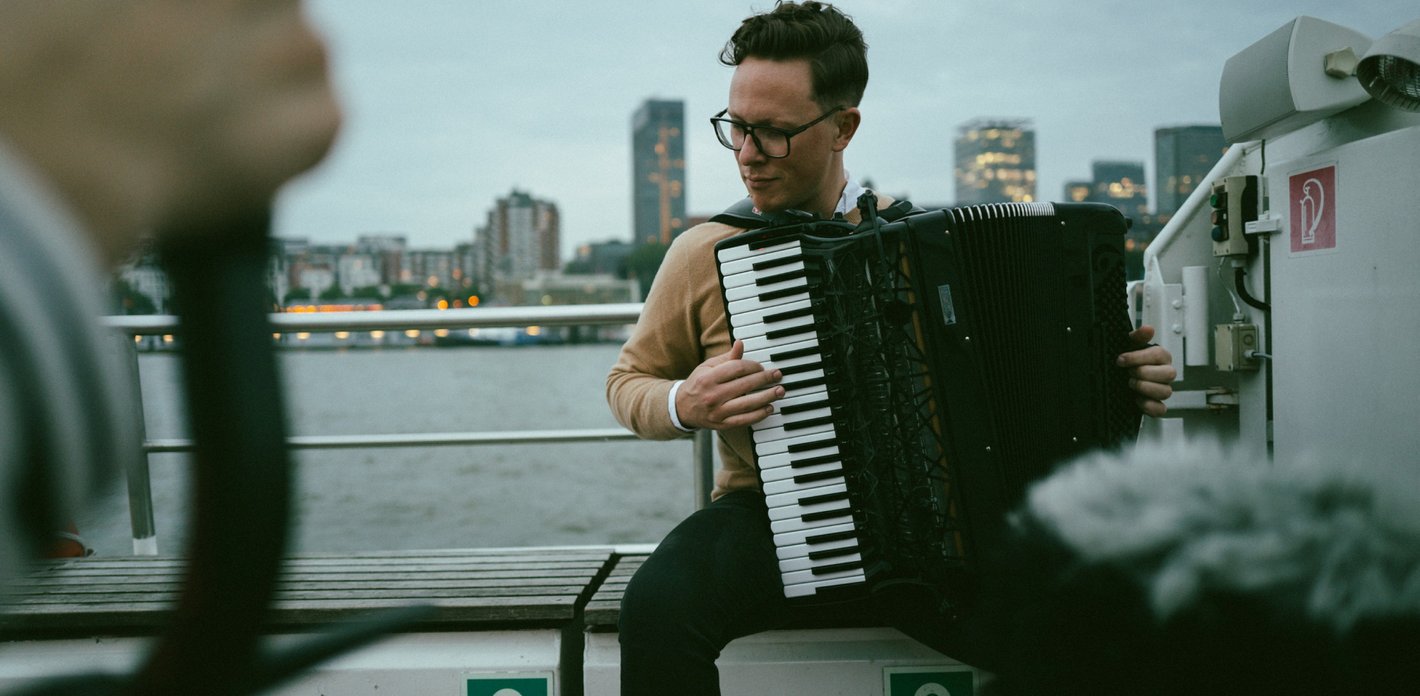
(1151,372)
(720,392)
(163,114)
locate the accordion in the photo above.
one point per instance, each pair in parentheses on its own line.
(934,366)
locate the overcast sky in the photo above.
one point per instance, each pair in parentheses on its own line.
(451,104)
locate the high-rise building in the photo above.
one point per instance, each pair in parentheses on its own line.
(995,161)
(1183,155)
(658,171)
(1078,191)
(521,237)
(1121,184)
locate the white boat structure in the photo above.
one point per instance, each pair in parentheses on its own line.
(1286,288)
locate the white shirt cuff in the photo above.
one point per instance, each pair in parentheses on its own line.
(670,405)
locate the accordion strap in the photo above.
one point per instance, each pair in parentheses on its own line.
(744,215)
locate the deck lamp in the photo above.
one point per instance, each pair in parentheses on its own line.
(1297,75)
(1390,70)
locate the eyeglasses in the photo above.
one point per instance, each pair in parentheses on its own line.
(770,141)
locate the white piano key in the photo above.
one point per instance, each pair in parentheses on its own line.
(808,577)
(785,460)
(794,524)
(764,355)
(767,448)
(759,291)
(735,280)
(781,419)
(792,498)
(749,262)
(750,304)
(786,483)
(758,343)
(758,315)
(804,326)
(734,253)
(802,563)
(847,546)
(801,536)
(799,511)
(809,589)
(791,362)
(767,435)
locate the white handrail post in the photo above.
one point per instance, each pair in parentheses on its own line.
(140,489)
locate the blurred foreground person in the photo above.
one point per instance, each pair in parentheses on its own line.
(1198,571)
(120,120)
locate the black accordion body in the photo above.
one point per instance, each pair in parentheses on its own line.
(934,366)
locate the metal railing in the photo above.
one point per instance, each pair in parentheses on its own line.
(140,499)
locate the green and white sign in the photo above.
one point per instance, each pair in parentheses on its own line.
(511,684)
(928,681)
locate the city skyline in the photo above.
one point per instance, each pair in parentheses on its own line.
(450,106)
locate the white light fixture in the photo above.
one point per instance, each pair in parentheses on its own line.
(1390,69)
(1294,76)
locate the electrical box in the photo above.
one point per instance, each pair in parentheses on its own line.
(1234,347)
(1235,202)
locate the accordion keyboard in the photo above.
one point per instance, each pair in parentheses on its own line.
(768,298)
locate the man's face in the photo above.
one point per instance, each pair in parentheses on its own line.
(780,94)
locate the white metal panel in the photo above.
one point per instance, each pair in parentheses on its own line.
(1346,320)
(414,663)
(821,662)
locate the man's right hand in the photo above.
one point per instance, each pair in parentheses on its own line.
(727,391)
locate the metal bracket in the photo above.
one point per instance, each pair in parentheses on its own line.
(1211,399)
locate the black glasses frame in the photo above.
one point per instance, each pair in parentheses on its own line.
(750,131)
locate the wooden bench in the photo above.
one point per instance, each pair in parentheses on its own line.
(469,590)
(604,609)
(499,617)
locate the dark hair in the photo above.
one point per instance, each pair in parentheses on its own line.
(812,30)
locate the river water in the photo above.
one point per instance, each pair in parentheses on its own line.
(439,497)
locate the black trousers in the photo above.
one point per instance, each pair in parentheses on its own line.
(713,579)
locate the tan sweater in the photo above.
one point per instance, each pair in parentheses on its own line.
(682,324)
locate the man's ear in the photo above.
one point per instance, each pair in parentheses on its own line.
(847,122)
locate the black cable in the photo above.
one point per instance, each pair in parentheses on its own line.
(1239,277)
(241,467)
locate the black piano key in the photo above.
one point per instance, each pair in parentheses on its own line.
(769,239)
(818,476)
(780,294)
(800,408)
(820,554)
(806,367)
(780,277)
(824,498)
(812,445)
(831,536)
(796,353)
(800,425)
(790,331)
(803,383)
(814,461)
(772,263)
(824,515)
(836,567)
(791,314)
